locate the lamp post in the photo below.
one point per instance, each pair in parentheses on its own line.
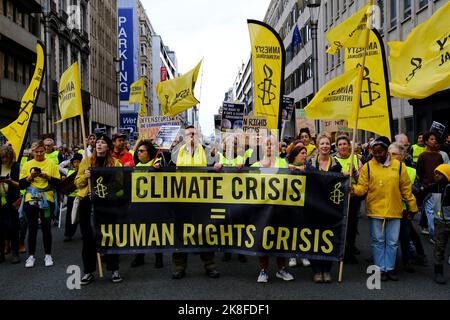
(117,62)
(314,10)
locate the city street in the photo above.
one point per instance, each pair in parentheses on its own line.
(237,280)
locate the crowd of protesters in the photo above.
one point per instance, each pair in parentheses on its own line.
(396,184)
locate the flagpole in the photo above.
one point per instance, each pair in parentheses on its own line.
(355,128)
(83,132)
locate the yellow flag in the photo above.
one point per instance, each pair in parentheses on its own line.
(15,133)
(137,95)
(137,92)
(334,101)
(268,59)
(351,32)
(177,95)
(69,96)
(375,104)
(420,66)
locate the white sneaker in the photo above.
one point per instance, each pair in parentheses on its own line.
(283,274)
(263,276)
(30,262)
(292,262)
(305,262)
(48,260)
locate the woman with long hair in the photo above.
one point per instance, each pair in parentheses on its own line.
(323,162)
(101,158)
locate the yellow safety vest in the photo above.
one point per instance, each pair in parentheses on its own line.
(417,151)
(53,156)
(231,163)
(279,163)
(185,158)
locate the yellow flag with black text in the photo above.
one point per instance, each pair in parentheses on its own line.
(420,65)
(349,33)
(16,132)
(334,101)
(375,105)
(137,96)
(69,96)
(177,95)
(268,59)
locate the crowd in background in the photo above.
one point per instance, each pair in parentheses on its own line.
(398,186)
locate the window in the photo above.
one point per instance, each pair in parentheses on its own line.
(393,13)
(406,9)
(422,3)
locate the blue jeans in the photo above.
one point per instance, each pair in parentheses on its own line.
(384,242)
(427,209)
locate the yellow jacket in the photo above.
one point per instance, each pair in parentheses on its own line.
(385,189)
(80,180)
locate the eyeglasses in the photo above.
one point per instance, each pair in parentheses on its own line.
(141,150)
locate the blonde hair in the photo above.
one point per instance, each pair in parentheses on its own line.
(323,135)
(37,144)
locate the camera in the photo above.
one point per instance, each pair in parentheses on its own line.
(4,177)
(36,170)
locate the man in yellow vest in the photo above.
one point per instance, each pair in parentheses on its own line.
(192,154)
(418,148)
(51,153)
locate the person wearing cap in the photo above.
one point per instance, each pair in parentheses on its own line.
(441,192)
(67,169)
(120,151)
(101,158)
(385,181)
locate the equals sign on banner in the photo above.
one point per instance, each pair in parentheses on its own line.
(218,213)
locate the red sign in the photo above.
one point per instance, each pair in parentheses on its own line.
(163,73)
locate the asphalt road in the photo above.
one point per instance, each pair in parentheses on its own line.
(237,281)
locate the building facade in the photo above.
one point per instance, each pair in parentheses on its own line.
(397,19)
(66,33)
(103,86)
(20,29)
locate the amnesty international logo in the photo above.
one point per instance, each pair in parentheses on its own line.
(266,87)
(337,196)
(100,189)
(417,65)
(368,93)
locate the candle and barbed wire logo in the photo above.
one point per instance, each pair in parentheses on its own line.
(368,95)
(100,189)
(337,196)
(417,65)
(266,87)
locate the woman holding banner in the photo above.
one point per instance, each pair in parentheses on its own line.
(101,157)
(343,157)
(39,177)
(297,161)
(271,160)
(386,182)
(147,156)
(323,162)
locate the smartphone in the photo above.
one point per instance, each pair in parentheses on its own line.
(36,170)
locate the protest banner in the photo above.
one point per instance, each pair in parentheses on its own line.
(149,126)
(253,211)
(232,116)
(254,124)
(166,136)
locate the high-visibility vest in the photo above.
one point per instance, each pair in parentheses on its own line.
(53,156)
(231,163)
(73,194)
(417,150)
(345,164)
(186,159)
(279,163)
